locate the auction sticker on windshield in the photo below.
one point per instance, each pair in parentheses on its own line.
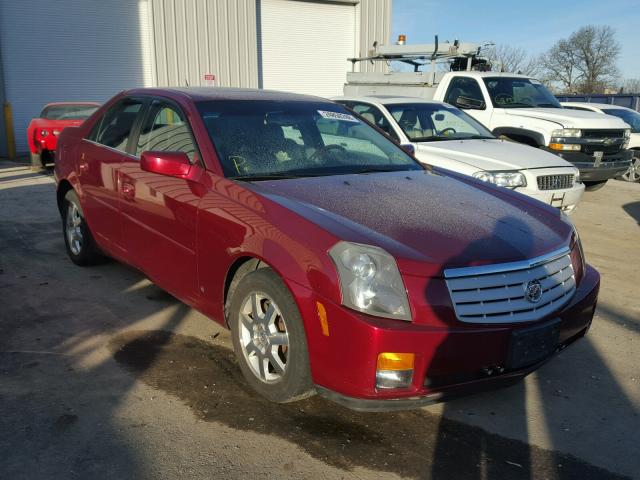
(338,116)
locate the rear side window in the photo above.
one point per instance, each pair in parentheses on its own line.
(166,129)
(374,116)
(114,128)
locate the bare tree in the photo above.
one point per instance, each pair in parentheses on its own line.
(631,85)
(585,62)
(506,58)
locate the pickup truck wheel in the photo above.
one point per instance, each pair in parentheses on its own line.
(269,338)
(78,240)
(593,186)
(633,174)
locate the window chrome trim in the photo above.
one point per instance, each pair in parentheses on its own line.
(506,267)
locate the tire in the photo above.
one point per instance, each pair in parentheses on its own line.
(593,186)
(633,174)
(272,352)
(78,240)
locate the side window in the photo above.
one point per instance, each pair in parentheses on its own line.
(463,87)
(166,129)
(114,129)
(374,116)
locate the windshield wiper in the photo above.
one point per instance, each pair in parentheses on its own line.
(258,178)
(377,170)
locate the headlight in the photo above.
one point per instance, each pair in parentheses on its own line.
(370,281)
(503,179)
(627,133)
(567,132)
(576,177)
(44,133)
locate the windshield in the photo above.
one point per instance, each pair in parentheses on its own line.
(508,92)
(430,122)
(629,116)
(275,139)
(68,112)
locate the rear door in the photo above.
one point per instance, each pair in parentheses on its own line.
(99,158)
(159,213)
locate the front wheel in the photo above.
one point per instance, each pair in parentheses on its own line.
(593,186)
(633,174)
(269,338)
(78,240)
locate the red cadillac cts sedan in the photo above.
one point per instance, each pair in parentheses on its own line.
(339,263)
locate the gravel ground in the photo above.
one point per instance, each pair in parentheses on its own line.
(103,375)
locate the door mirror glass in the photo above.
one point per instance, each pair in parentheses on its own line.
(470,103)
(171,164)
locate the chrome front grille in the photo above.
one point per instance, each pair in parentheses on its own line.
(498,293)
(555,182)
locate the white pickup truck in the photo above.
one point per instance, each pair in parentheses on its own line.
(510,105)
(446,137)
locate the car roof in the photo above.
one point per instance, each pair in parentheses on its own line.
(60,104)
(199,94)
(474,73)
(386,99)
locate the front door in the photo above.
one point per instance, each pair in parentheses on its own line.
(159,213)
(99,158)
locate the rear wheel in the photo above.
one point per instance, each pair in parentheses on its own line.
(269,338)
(633,174)
(78,240)
(593,186)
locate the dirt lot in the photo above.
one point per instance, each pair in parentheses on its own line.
(103,375)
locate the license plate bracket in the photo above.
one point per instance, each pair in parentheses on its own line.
(531,345)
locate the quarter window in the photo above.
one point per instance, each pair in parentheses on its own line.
(114,129)
(166,129)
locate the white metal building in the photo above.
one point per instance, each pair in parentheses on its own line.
(91,49)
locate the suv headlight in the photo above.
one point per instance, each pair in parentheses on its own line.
(503,179)
(370,281)
(567,132)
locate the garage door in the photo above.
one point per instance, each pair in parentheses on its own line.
(305,45)
(71,50)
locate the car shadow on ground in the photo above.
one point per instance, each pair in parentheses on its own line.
(633,209)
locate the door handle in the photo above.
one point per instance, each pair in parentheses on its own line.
(83,166)
(128,191)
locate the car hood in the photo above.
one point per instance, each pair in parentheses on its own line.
(424,217)
(490,154)
(568,118)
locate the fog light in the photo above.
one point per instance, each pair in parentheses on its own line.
(394,370)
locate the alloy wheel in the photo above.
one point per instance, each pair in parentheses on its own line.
(633,174)
(73,228)
(263,337)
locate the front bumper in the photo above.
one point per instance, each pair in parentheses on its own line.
(594,170)
(450,361)
(565,200)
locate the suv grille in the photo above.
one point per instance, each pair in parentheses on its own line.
(606,150)
(498,293)
(602,133)
(555,182)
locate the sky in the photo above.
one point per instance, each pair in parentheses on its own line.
(533,25)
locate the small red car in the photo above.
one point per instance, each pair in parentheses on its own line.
(43,131)
(340,264)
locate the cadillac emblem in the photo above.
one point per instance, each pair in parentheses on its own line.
(532,291)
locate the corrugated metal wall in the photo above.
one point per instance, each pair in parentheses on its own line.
(194,38)
(70,50)
(375,25)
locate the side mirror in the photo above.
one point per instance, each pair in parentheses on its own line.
(171,164)
(470,103)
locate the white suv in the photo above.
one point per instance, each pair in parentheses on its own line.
(444,136)
(631,117)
